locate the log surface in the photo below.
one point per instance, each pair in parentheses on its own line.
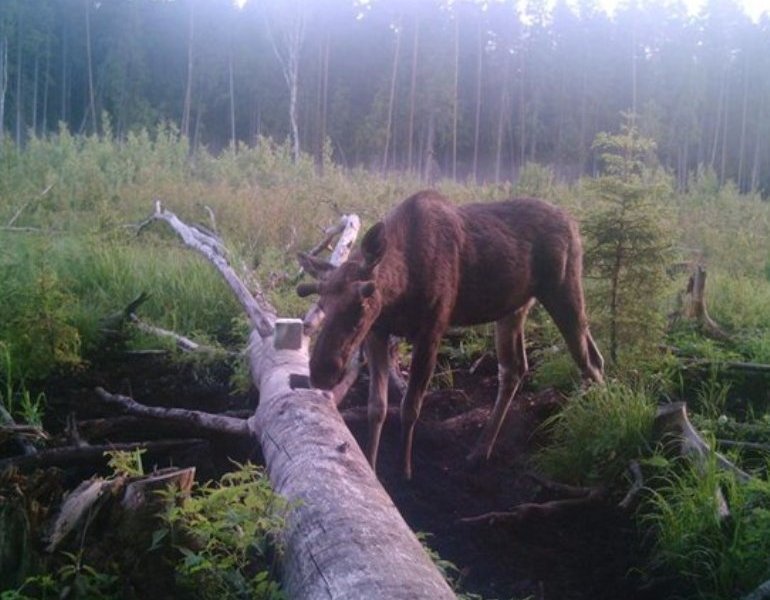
(344,538)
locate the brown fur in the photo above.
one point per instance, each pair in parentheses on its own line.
(431,264)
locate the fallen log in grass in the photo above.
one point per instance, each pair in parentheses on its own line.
(344,536)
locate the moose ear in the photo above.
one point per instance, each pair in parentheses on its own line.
(366,289)
(315,267)
(374,244)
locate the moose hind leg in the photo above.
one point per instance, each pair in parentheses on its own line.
(566,307)
(378,356)
(511,368)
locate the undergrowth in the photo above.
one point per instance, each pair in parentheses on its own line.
(714,557)
(227,534)
(596,435)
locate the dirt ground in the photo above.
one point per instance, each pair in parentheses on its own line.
(584,553)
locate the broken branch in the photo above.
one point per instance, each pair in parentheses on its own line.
(89,454)
(199,419)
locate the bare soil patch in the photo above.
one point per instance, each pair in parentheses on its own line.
(582,554)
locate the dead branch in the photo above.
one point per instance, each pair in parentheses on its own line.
(762,592)
(671,419)
(261,315)
(530,510)
(142,490)
(24,206)
(744,445)
(195,418)
(745,367)
(81,504)
(571,491)
(326,243)
(347,228)
(11,429)
(182,342)
(72,455)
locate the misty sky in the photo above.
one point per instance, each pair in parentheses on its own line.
(754,8)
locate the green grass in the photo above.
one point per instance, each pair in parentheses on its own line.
(596,435)
(61,288)
(714,558)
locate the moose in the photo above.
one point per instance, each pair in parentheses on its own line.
(429,265)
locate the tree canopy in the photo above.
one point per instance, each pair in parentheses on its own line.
(436,87)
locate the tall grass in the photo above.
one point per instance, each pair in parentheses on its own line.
(714,557)
(82,192)
(593,439)
(59,290)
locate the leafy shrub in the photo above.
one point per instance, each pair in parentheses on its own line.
(225,533)
(74,579)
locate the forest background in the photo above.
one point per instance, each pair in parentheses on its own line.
(468,90)
(651,126)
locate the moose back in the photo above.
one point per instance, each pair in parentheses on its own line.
(430,264)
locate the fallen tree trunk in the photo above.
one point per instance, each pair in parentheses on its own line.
(344,537)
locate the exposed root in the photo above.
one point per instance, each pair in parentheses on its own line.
(531,510)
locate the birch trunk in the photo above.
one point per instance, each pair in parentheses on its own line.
(391,97)
(344,538)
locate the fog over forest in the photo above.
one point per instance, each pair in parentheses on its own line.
(444,89)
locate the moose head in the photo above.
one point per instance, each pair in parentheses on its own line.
(350,301)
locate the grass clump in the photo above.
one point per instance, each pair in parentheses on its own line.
(714,557)
(598,432)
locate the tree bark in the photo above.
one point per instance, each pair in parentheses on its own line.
(502,111)
(19,52)
(3,83)
(695,305)
(391,97)
(456,95)
(412,95)
(231,85)
(288,51)
(187,108)
(345,538)
(477,119)
(91,98)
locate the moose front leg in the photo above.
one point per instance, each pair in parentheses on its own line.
(420,372)
(511,368)
(378,356)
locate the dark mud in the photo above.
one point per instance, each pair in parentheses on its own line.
(590,552)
